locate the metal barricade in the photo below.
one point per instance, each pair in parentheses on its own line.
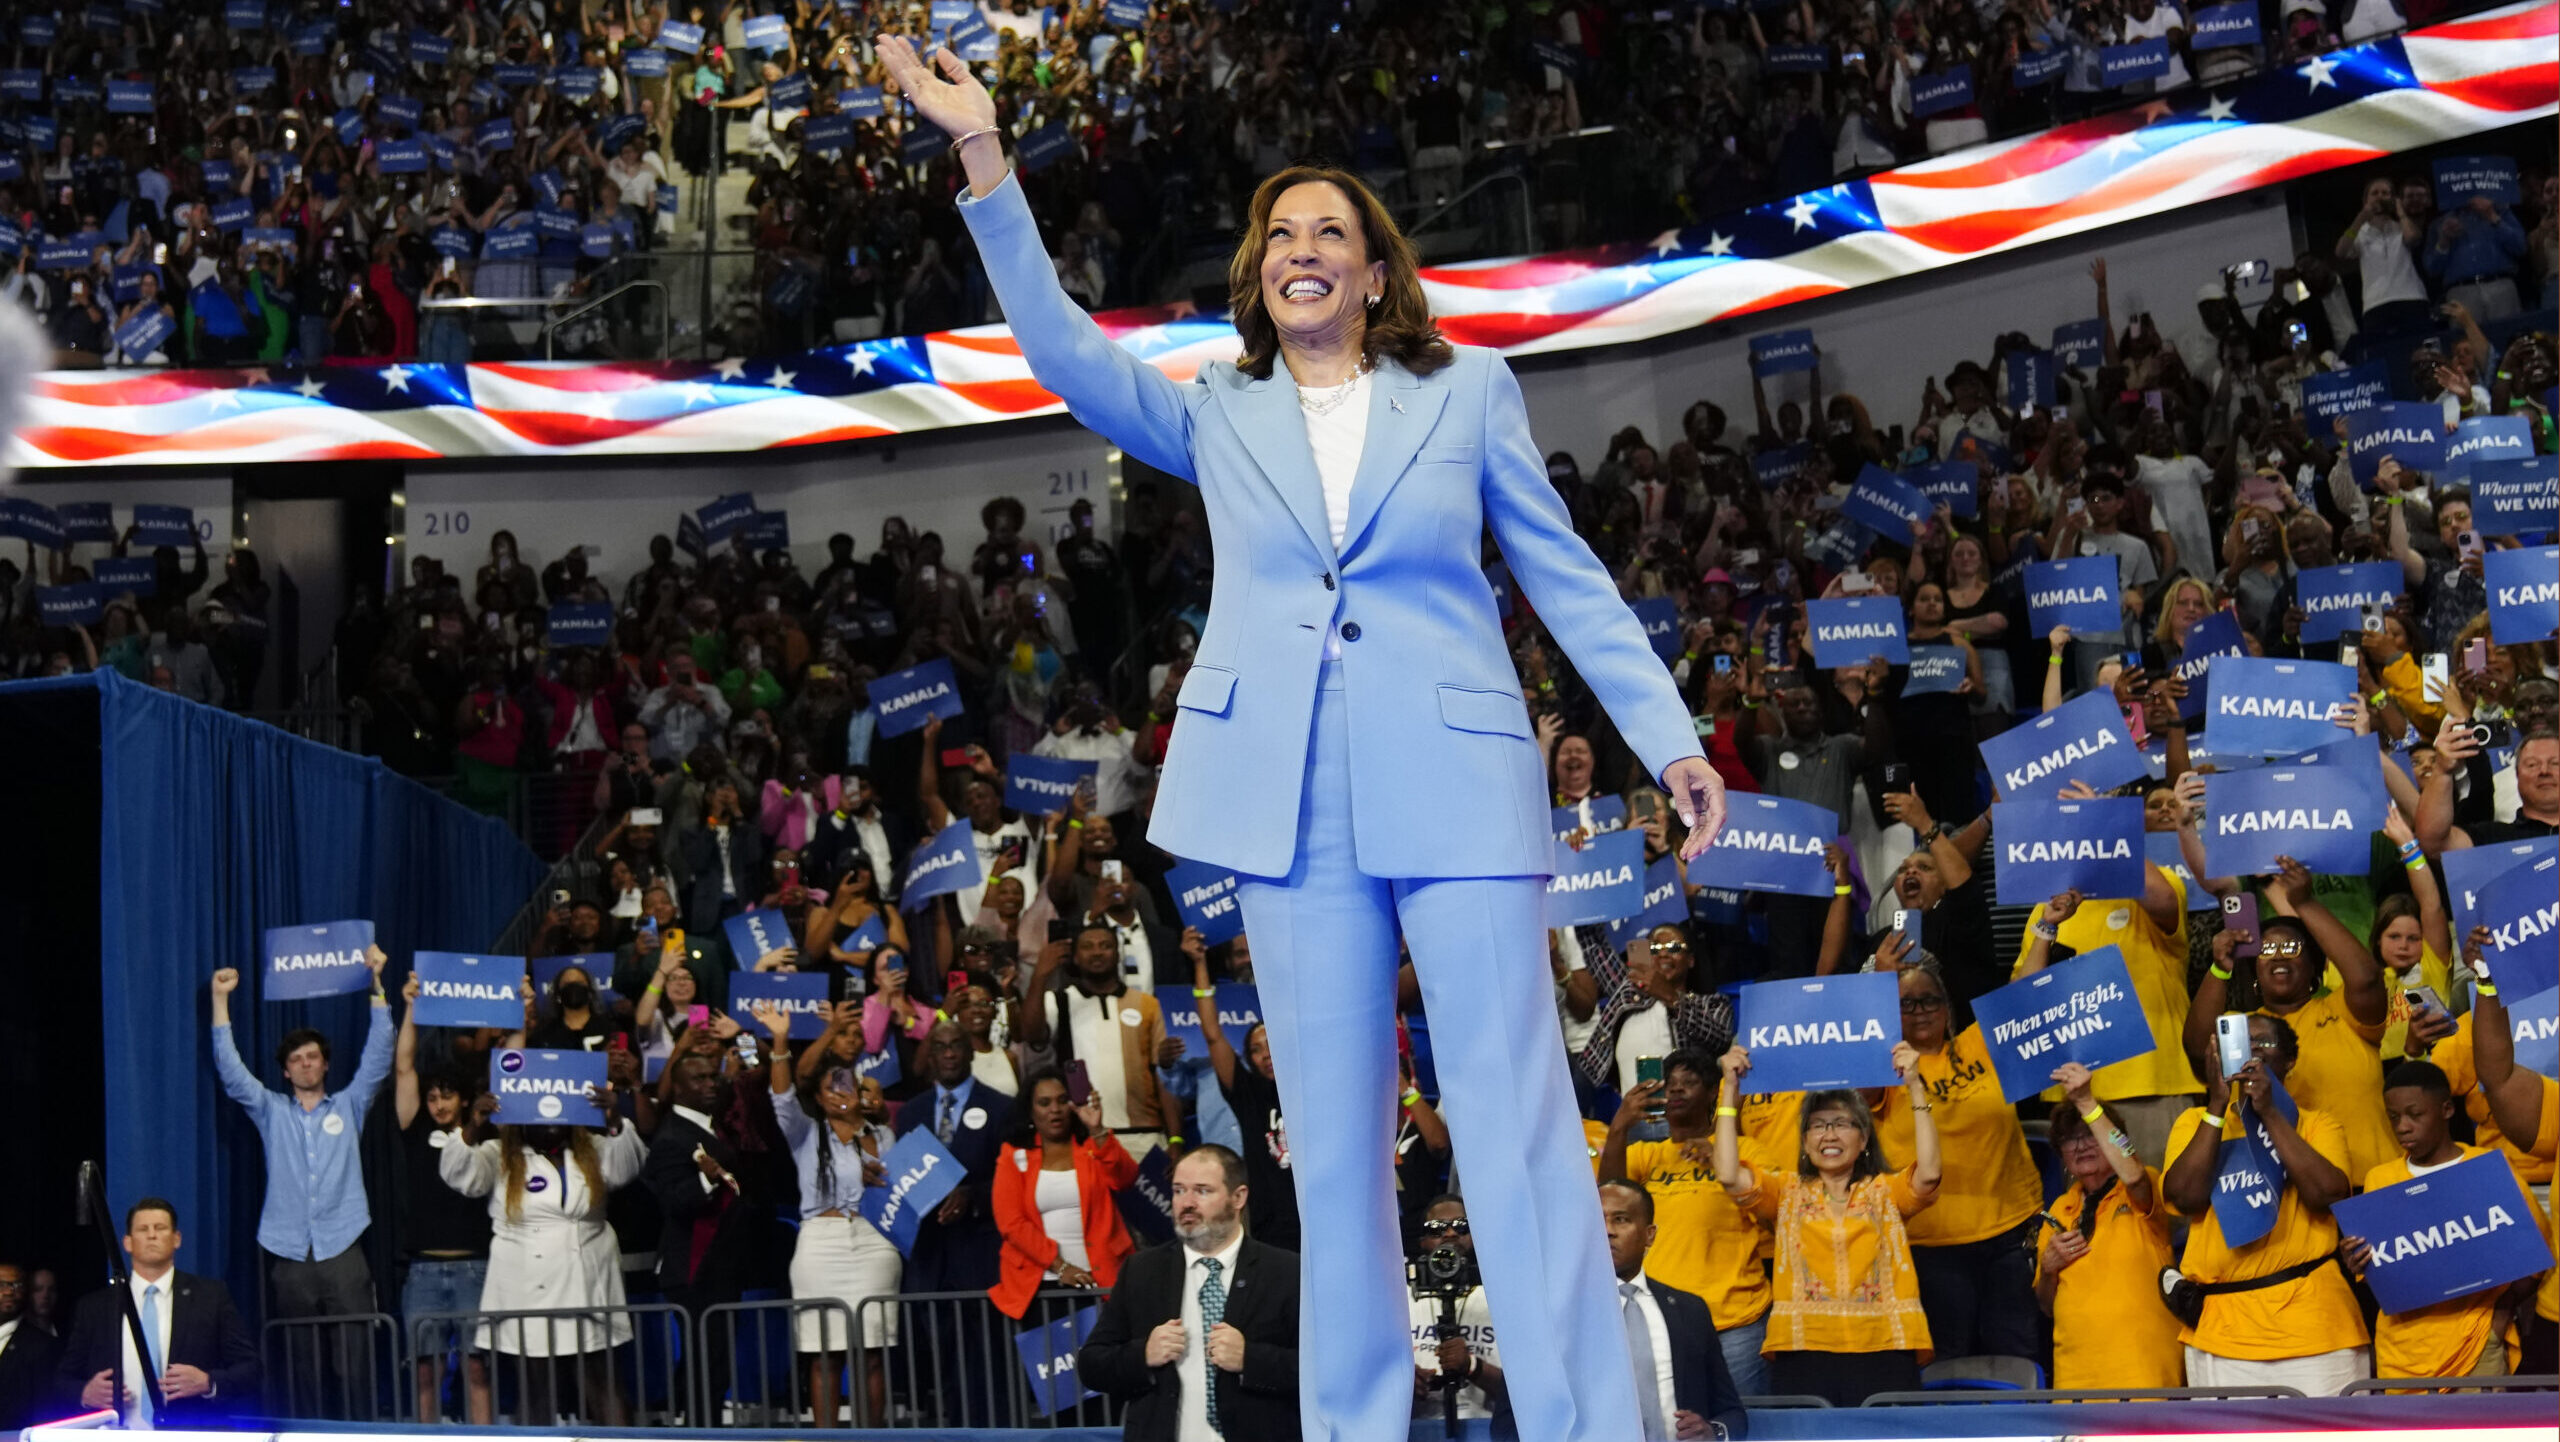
(2366,1386)
(955,1362)
(629,1365)
(738,1367)
(1786,1402)
(344,1368)
(1964,1396)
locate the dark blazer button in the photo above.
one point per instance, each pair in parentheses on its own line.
(1350,630)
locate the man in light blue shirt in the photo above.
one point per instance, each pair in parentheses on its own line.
(315,1209)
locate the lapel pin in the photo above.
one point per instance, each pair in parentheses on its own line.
(1395,405)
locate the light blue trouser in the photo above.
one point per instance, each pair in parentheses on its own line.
(1742,1356)
(1324,948)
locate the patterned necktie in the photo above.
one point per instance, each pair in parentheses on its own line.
(1640,1351)
(1213,1310)
(147,1387)
(944,1125)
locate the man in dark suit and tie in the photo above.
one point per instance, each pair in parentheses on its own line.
(201,1352)
(1683,1388)
(715,1197)
(1201,1335)
(27,1354)
(956,1245)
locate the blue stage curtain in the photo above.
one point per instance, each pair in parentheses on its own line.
(214,829)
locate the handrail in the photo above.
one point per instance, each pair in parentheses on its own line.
(1528,207)
(2533,1382)
(551,328)
(1978,1396)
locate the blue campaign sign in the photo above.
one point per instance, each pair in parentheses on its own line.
(75,603)
(727,514)
(1048,1356)
(1781,351)
(25,520)
(766,32)
(515,77)
(2039,67)
(1239,1011)
(595,241)
(1664,903)
(1948,89)
(949,862)
(399,110)
(1935,670)
(441,150)
(2271,707)
(1818,1033)
(2522,911)
(1774,468)
(2485,438)
(645,63)
(129,97)
(1796,59)
(580,623)
(2518,497)
(905,700)
(1770,843)
(324,960)
(87,521)
(155,525)
(233,214)
(401,157)
(1146,1204)
(2450,1233)
(2216,635)
(2079,593)
(143,334)
(21,85)
(791,92)
(2321,816)
(428,48)
(2083,739)
(922,1172)
(1125,14)
(2080,342)
(1854,630)
(1600,883)
(2082,1010)
(2469,870)
(2123,65)
(555,223)
(314,38)
(2410,432)
(454,241)
(2333,598)
(2048,847)
(1044,147)
(1952,484)
(546,1088)
(863,102)
(2162,849)
(1885,503)
(2031,378)
(1040,785)
(1205,897)
(2535,1022)
(880,1066)
(677,35)
(470,991)
(921,144)
(126,575)
(827,134)
(803,994)
(1592,815)
(2524,594)
(2330,395)
(244,14)
(2224,27)
(770,531)
(974,39)
(754,935)
(1660,617)
(545,970)
(2458,178)
(2247,1187)
(495,135)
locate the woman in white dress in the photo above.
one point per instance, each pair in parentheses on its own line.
(550,1250)
(840,1256)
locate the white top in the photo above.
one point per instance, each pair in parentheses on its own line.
(1336,437)
(1634,1293)
(1193,1369)
(1061,1206)
(1646,1033)
(1093,1027)
(1475,1323)
(2382,262)
(993,1070)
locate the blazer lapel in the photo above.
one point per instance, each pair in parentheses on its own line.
(1265,412)
(1402,410)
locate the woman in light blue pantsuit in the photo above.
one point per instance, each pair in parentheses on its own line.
(1352,740)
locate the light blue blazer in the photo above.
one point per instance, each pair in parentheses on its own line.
(1445,777)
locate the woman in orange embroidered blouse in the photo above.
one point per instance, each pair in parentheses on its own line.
(1847,1321)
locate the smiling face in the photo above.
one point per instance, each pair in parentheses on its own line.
(1573,765)
(1833,1139)
(1317,274)
(2285,974)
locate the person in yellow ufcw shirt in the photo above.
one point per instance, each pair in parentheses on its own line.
(1846,1321)
(2340,1029)
(2463,1336)
(2282,1315)
(2098,1272)
(2151,1090)
(2526,1106)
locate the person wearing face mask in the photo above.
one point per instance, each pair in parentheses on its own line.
(445,1236)
(576,1019)
(2338,1025)
(2098,1268)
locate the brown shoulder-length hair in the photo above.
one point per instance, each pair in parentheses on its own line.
(1400,328)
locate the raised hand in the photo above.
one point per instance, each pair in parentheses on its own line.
(955,102)
(1697,793)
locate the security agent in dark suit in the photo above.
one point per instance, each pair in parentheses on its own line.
(1205,1328)
(1701,1401)
(28,1354)
(208,1365)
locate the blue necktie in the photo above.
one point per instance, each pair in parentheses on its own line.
(943,1128)
(1213,1310)
(147,1388)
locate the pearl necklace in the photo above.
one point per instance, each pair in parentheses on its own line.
(1325,400)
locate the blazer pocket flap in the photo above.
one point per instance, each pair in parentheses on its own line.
(1497,713)
(1464,455)
(1207,688)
